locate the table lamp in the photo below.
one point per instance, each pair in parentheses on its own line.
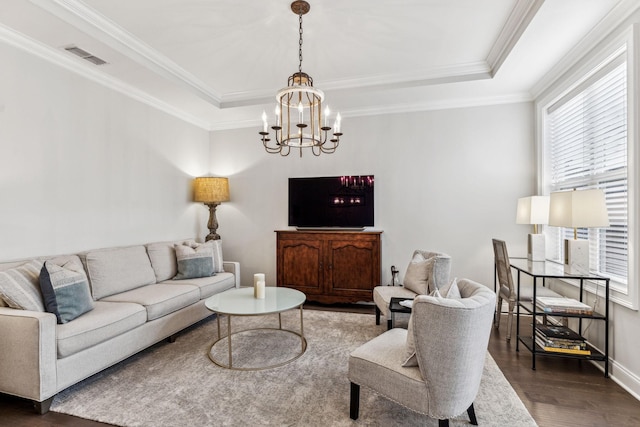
(211,191)
(578,209)
(534,210)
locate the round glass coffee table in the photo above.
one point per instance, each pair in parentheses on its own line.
(241,302)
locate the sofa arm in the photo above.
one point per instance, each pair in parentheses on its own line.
(28,354)
(232,267)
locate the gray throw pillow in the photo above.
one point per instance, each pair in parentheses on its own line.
(194,260)
(19,286)
(418,275)
(65,290)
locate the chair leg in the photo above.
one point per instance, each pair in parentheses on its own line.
(498,312)
(443,423)
(510,320)
(354,409)
(472,415)
(389,323)
(377,315)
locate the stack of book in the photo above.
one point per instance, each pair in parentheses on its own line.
(560,339)
(563,305)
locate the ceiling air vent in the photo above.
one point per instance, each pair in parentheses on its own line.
(85,55)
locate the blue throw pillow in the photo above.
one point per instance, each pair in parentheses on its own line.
(65,290)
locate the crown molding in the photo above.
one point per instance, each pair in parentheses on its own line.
(450,74)
(432,105)
(77,66)
(517,22)
(81,16)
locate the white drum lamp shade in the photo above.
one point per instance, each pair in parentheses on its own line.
(578,209)
(534,210)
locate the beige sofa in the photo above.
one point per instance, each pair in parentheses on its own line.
(136,304)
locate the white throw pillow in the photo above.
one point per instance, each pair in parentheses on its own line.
(418,275)
(20,286)
(450,290)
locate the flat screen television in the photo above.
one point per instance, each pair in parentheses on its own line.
(331,202)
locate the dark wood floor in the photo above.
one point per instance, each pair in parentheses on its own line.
(558,393)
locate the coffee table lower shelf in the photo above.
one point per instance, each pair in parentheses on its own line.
(228,337)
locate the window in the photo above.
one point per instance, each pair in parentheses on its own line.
(585,146)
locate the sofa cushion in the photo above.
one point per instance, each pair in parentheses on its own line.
(105,321)
(20,286)
(163,258)
(116,270)
(208,285)
(194,260)
(159,299)
(65,289)
(418,275)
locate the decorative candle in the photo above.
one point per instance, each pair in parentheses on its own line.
(277,115)
(326,115)
(300,111)
(258,277)
(260,291)
(264,121)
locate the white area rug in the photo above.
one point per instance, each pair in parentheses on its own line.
(175,384)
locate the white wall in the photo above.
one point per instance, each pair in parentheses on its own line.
(445,180)
(82,166)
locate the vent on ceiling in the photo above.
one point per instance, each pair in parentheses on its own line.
(85,55)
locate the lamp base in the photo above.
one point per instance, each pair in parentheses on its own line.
(536,247)
(212,225)
(576,256)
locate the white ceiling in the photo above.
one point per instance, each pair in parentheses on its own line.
(219,63)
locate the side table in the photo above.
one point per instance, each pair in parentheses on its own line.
(396,307)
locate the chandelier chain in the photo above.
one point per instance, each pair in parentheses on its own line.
(300,45)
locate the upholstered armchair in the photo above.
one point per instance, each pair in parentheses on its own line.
(426,271)
(450,336)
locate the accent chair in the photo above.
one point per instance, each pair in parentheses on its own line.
(449,337)
(426,271)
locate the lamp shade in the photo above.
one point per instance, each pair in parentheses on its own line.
(578,209)
(533,210)
(210,189)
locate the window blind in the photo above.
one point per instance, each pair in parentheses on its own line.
(586,147)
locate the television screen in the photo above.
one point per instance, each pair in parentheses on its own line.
(337,201)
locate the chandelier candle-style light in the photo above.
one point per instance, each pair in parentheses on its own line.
(299,119)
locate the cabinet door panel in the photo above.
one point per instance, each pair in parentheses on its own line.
(353,267)
(301,266)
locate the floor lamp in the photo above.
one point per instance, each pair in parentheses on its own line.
(211,191)
(534,210)
(578,209)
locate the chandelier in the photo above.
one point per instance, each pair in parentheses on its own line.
(299,119)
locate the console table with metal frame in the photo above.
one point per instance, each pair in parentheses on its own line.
(551,270)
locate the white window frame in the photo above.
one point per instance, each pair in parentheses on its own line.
(625,294)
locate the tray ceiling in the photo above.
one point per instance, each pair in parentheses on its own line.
(219,63)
